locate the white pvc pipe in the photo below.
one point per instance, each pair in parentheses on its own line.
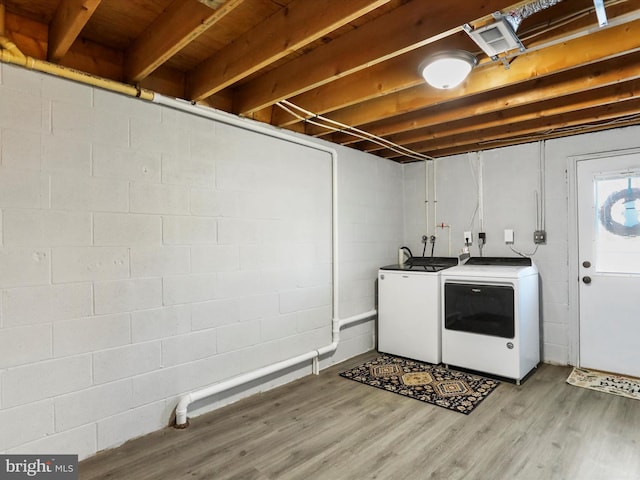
(188,398)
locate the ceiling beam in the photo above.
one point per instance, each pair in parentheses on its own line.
(393,75)
(177,26)
(405,28)
(537,126)
(548,135)
(555,88)
(68,21)
(381,79)
(581,101)
(583,51)
(288,30)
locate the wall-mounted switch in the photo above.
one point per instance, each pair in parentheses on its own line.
(508,236)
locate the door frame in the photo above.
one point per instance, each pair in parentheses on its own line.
(573,258)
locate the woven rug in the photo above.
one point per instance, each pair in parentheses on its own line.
(605,382)
(457,391)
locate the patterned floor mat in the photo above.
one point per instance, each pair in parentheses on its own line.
(457,391)
(605,382)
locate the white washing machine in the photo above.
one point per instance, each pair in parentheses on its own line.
(409,308)
(490,316)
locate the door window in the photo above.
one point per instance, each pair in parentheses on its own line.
(617,224)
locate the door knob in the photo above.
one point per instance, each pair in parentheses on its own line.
(586,280)
(586,264)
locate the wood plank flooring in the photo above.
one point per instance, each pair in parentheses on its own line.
(328,427)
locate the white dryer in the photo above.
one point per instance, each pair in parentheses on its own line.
(409,308)
(490,316)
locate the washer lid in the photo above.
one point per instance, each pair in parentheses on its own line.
(496,267)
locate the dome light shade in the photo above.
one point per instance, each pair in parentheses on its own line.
(448,69)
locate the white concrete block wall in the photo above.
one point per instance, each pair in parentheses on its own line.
(145,252)
(510,178)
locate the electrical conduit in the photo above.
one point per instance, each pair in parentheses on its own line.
(10,53)
(336,323)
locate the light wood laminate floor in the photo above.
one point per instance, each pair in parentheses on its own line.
(328,427)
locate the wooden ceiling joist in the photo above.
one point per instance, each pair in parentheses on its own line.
(406,28)
(181,23)
(402,129)
(70,18)
(600,46)
(303,22)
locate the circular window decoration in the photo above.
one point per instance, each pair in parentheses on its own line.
(617,201)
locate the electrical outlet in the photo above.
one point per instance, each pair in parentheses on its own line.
(424,239)
(540,237)
(468,239)
(508,236)
(482,238)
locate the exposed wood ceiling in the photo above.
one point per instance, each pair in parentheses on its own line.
(355,62)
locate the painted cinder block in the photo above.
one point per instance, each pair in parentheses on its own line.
(189,347)
(23,111)
(78,192)
(46,227)
(22,188)
(115,229)
(237,231)
(188,170)
(81,264)
(150,261)
(126,164)
(21,149)
(152,136)
(213,203)
(238,336)
(159,199)
(24,345)
(115,430)
(127,295)
(67,92)
(180,230)
(189,288)
(214,258)
(23,267)
(79,441)
(160,323)
(128,361)
(241,283)
(215,313)
(64,154)
(26,423)
(54,302)
(89,334)
(92,404)
(304,298)
(30,383)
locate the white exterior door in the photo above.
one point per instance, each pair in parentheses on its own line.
(608,201)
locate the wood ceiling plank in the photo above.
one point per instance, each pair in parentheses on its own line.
(586,79)
(381,79)
(179,24)
(67,23)
(290,29)
(601,45)
(551,107)
(402,72)
(620,122)
(536,126)
(406,28)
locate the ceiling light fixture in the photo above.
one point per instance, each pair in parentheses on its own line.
(448,69)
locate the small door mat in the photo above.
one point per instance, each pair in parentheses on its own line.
(605,382)
(457,391)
